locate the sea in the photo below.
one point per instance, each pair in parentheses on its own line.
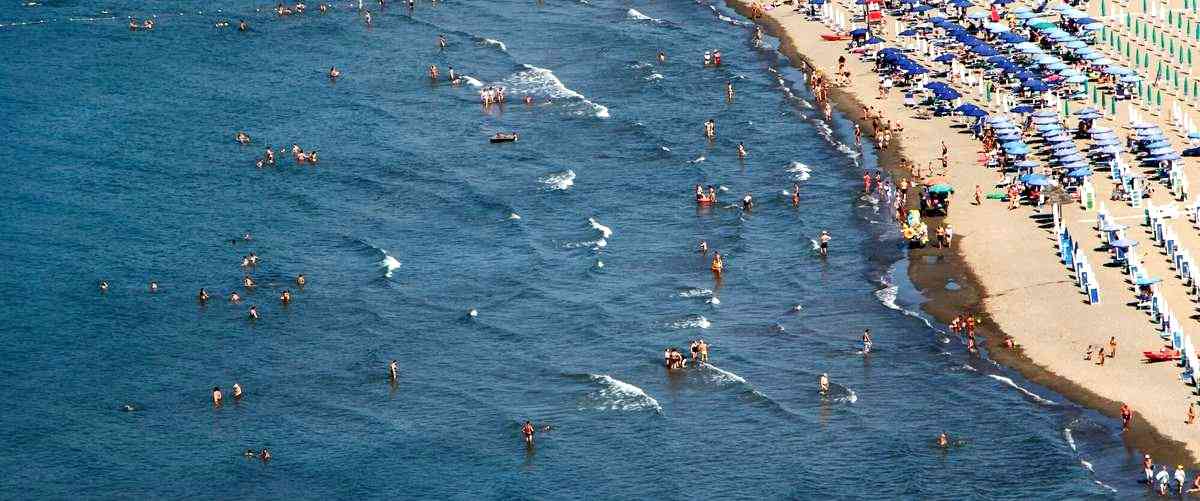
(535,280)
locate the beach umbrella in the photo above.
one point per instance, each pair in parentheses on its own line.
(944,58)
(1016,148)
(1066,153)
(1117,70)
(874,40)
(1063,146)
(1090,116)
(858,32)
(995,27)
(1058,138)
(1102,62)
(1036,180)
(1043,120)
(1130,79)
(1025,164)
(1082,172)
(1163,150)
(1165,157)
(917,70)
(978,14)
(1070,72)
(1049,127)
(1092,56)
(1075,79)
(1026,15)
(1034,85)
(1159,143)
(1142,280)
(1142,126)
(1099,129)
(1074,165)
(922,8)
(996,119)
(1022,109)
(1084,49)
(1043,113)
(1059,66)
(1072,158)
(971,110)
(962,4)
(1076,44)
(1107,150)
(1048,60)
(908,33)
(1194,135)
(1111,226)
(941,188)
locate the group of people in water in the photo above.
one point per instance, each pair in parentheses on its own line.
(300,156)
(147,25)
(673,359)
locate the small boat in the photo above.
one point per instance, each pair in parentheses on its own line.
(1162,355)
(833,37)
(505,137)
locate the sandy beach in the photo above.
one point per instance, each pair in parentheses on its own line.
(1007,264)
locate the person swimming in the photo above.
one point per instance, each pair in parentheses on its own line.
(217,397)
(242,138)
(234,297)
(148,25)
(253,313)
(393,371)
(710,129)
(264,455)
(300,280)
(441,42)
(703,248)
(795,194)
(202,296)
(662,57)
(823,384)
(866,341)
(134,24)
(741,149)
(249,453)
(242,26)
(153,286)
(451,74)
(285,297)
(943,440)
(707,58)
(747,203)
(237,391)
(527,433)
(103,286)
(334,74)
(729,91)
(248,282)
(433,72)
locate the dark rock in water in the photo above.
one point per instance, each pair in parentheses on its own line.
(952,285)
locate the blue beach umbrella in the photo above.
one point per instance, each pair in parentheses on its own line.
(1081,172)
(1016,148)
(1024,109)
(944,58)
(1025,164)
(1044,113)
(1036,180)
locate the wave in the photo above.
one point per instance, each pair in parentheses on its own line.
(691,322)
(698,159)
(493,43)
(559,180)
(723,376)
(635,14)
(695,292)
(472,82)
(713,300)
(801,172)
(513,216)
(388,263)
(616,395)
(1036,398)
(654,76)
(604,230)
(543,82)
(1070,439)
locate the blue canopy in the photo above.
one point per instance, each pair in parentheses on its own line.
(1036,180)
(908,33)
(1022,109)
(971,110)
(1141,280)
(944,58)
(1034,85)
(1025,164)
(1016,148)
(1077,173)
(858,32)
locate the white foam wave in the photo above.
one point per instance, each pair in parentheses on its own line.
(389,263)
(513,216)
(850,397)
(714,300)
(494,43)
(697,160)
(618,395)
(535,80)
(723,375)
(1071,442)
(664,148)
(695,292)
(472,82)
(691,322)
(887,297)
(559,180)
(654,76)
(635,14)
(800,171)
(604,230)
(1036,398)
(600,244)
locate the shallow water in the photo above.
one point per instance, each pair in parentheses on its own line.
(574,246)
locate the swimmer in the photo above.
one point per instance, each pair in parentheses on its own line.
(710,129)
(237,391)
(234,297)
(450,73)
(662,57)
(242,26)
(741,148)
(527,433)
(943,440)
(246,236)
(716,58)
(393,371)
(148,25)
(707,58)
(103,286)
(253,313)
(334,73)
(253,259)
(217,397)
(823,242)
(323,8)
(441,42)
(264,455)
(528,100)
(300,280)
(153,286)
(795,194)
(245,262)
(823,384)
(703,345)
(285,297)
(667,358)
(729,91)
(718,264)
(269,155)
(747,203)
(202,296)
(249,453)
(248,282)
(242,138)
(134,24)
(703,249)
(866,341)
(433,72)
(367,18)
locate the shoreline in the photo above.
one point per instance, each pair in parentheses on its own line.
(954,263)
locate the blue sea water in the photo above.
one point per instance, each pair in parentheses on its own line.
(121,165)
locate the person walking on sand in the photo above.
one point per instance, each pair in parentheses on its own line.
(1112,346)
(1191,415)
(978,195)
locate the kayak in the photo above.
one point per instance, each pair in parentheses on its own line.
(1161,355)
(831,37)
(505,137)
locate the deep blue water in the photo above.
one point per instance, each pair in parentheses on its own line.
(120,165)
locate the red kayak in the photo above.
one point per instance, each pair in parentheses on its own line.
(1162,355)
(830,37)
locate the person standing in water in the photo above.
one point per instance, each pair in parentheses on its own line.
(718,264)
(710,129)
(527,433)
(237,391)
(729,91)
(823,384)
(103,286)
(866,341)
(741,149)
(795,194)
(662,57)
(823,242)
(217,397)
(1126,417)
(943,440)
(393,371)
(703,249)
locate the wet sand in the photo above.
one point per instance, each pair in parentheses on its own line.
(1023,290)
